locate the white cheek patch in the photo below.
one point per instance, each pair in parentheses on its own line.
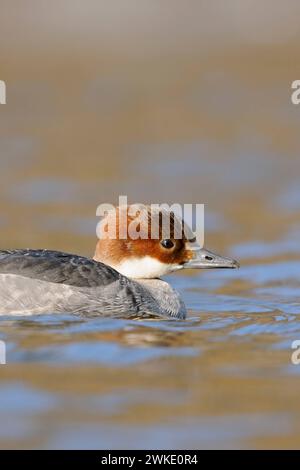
(145,268)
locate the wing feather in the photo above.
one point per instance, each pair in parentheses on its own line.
(58,267)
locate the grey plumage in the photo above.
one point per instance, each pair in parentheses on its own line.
(38,281)
(55,266)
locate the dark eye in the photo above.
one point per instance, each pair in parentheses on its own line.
(167,243)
